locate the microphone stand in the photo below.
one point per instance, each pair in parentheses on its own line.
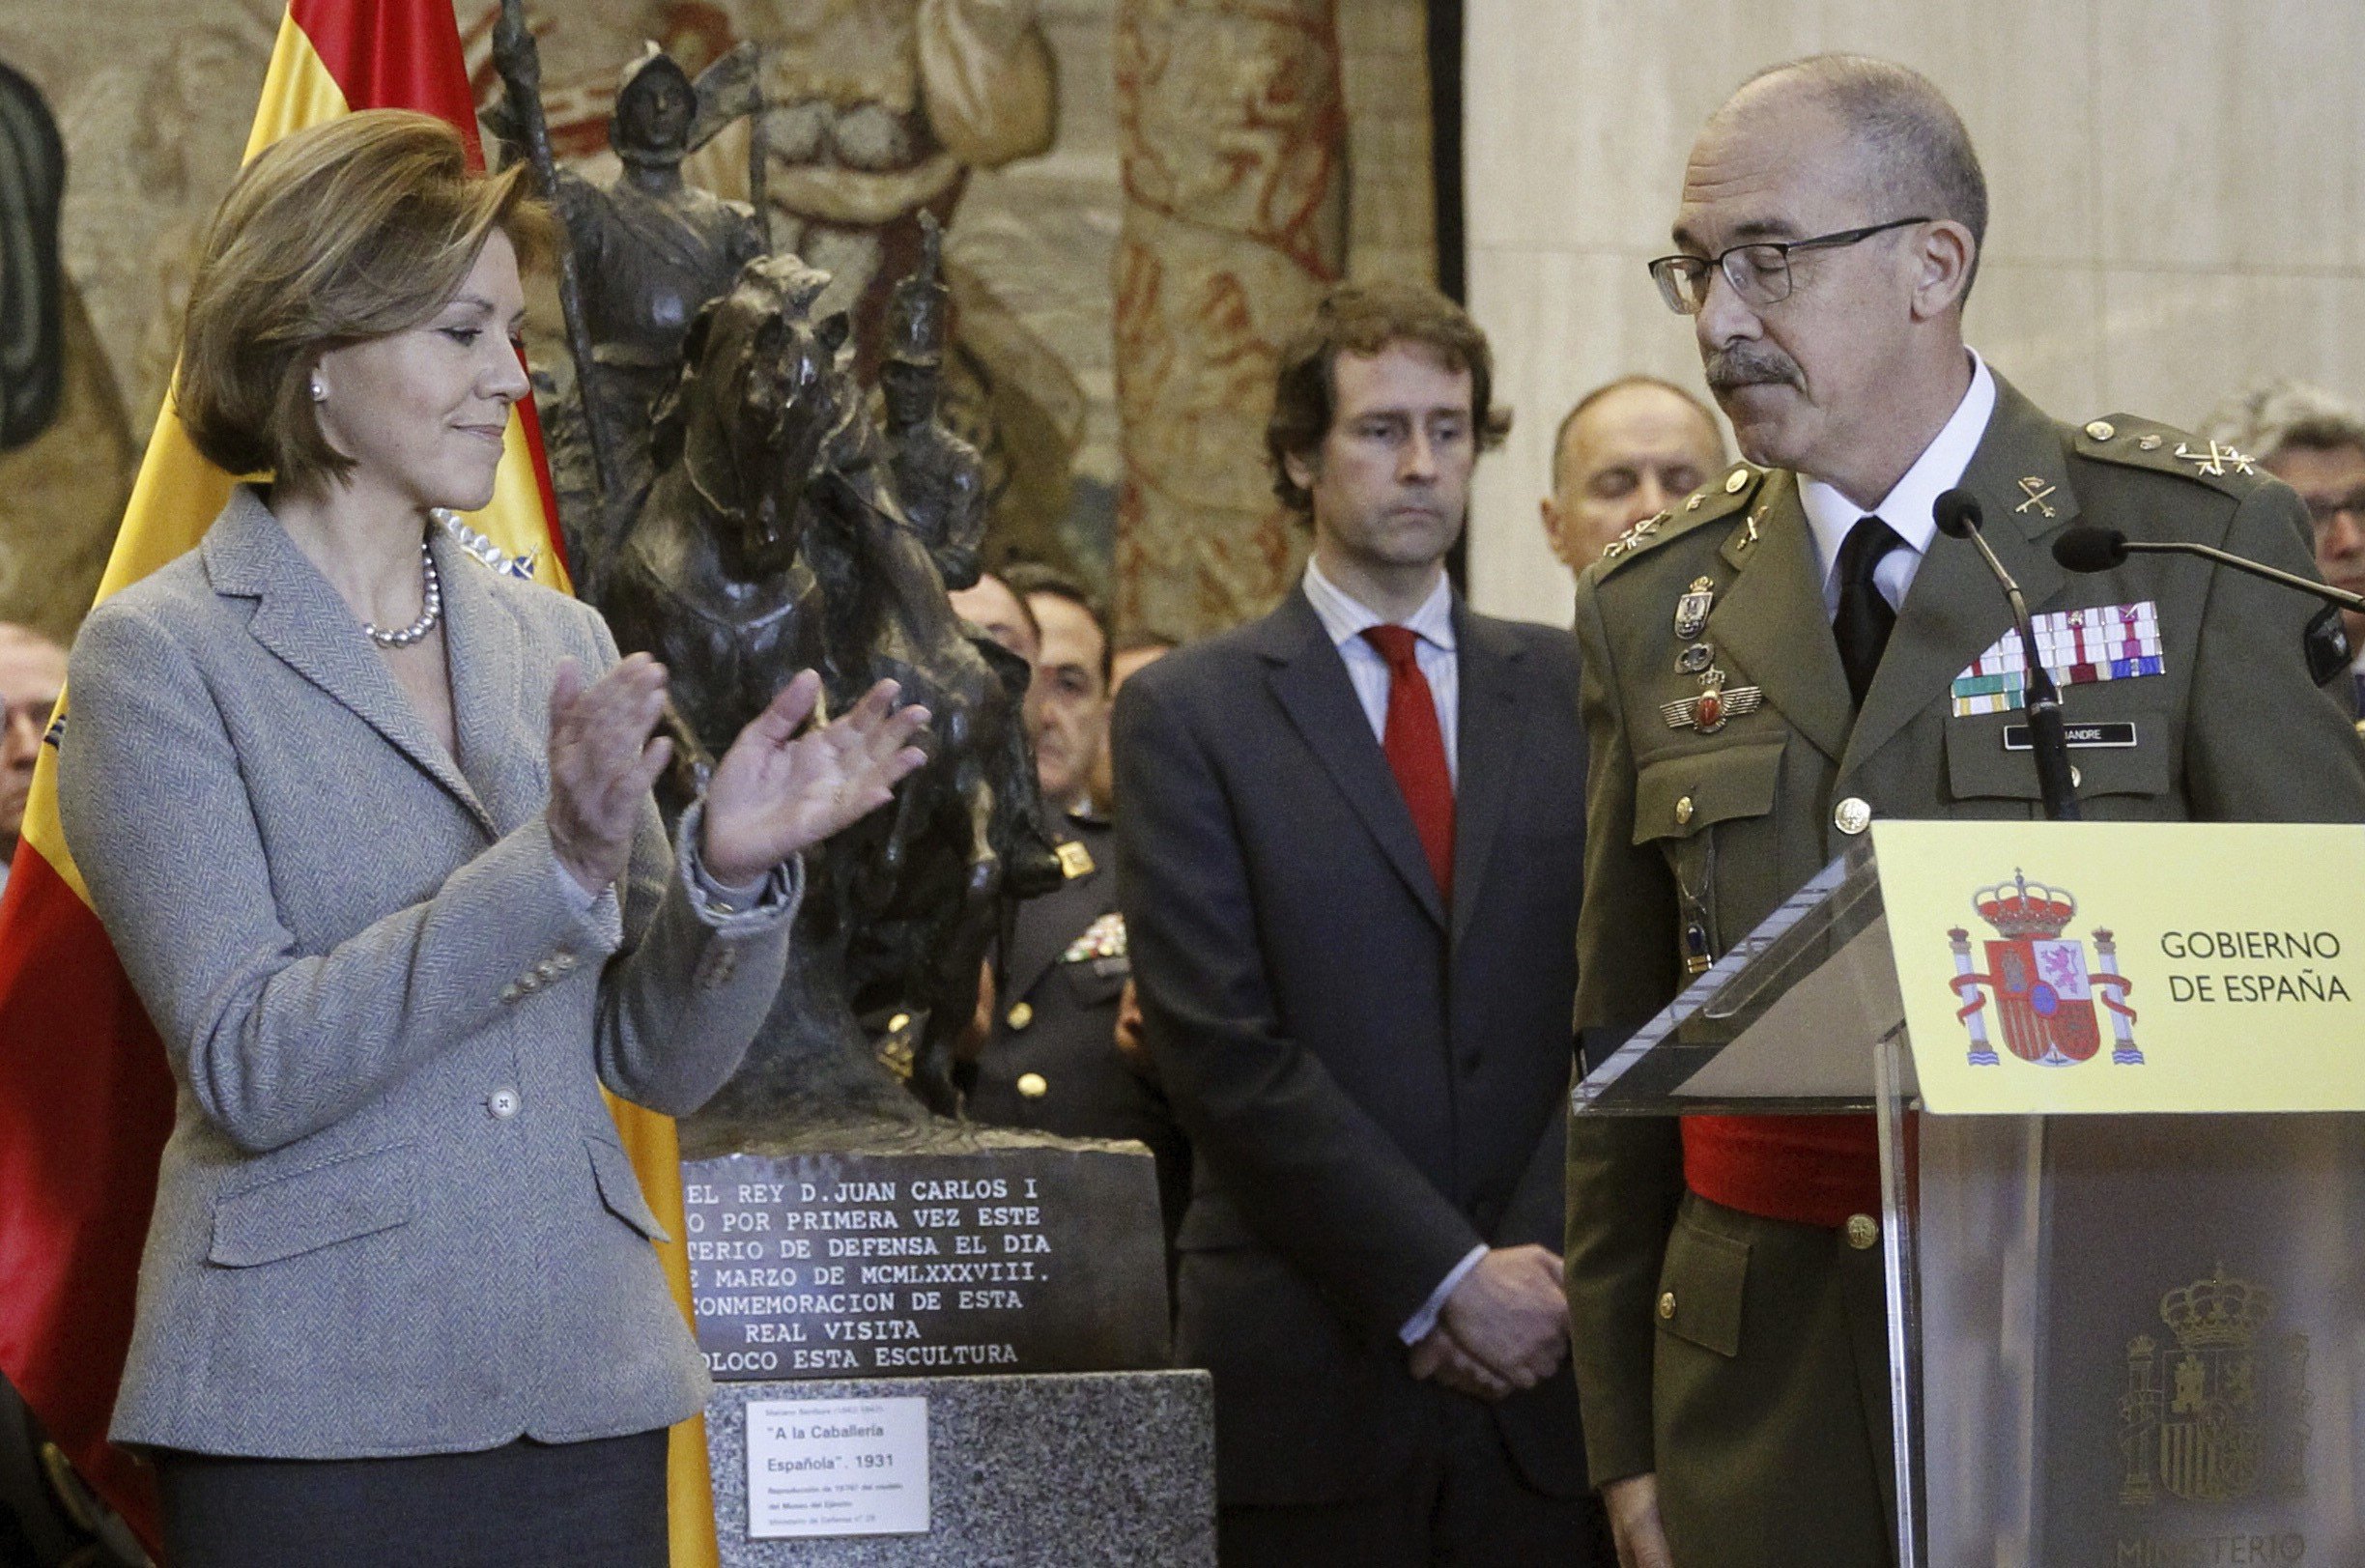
(2241,563)
(2049,744)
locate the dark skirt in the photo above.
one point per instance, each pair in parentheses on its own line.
(598,1504)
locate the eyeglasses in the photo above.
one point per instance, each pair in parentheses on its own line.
(2323,509)
(1759,273)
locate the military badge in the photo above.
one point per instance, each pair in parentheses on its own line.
(2045,997)
(2078,646)
(1075,859)
(1695,658)
(1632,538)
(1103,938)
(1708,712)
(2213,461)
(1691,610)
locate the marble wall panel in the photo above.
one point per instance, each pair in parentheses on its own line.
(1560,325)
(2175,343)
(2229,136)
(2177,195)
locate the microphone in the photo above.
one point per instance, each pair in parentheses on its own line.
(2085,549)
(1956,512)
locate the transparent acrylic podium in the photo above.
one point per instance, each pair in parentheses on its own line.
(2117,1340)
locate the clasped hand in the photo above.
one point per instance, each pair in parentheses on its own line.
(1504,1328)
(780,789)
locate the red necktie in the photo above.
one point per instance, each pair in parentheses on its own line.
(1415,747)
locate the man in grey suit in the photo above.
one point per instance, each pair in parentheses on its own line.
(1349,861)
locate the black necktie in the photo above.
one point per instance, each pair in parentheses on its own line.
(1864,619)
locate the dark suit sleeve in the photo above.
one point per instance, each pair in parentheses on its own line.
(1308,1171)
(1537,1209)
(2265,743)
(1625,1174)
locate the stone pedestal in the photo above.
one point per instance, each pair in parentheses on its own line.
(1028,1471)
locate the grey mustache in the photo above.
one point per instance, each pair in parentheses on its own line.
(1742,367)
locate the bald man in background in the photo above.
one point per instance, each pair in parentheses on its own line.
(31,674)
(1629,450)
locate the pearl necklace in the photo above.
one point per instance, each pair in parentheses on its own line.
(430,612)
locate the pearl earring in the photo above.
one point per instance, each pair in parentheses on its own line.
(320,394)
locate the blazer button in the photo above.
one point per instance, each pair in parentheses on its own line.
(1852,815)
(1033,1085)
(1666,1307)
(1019,1016)
(565,962)
(503,1104)
(510,993)
(1862,1230)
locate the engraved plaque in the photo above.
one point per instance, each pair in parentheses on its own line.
(917,1264)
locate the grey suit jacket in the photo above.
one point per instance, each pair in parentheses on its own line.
(394,1215)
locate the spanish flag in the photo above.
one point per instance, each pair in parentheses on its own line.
(86,1100)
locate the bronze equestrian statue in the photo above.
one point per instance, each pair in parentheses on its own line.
(772,537)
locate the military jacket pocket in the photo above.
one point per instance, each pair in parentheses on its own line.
(1700,1285)
(1709,811)
(1096,982)
(284,1216)
(619,1188)
(1682,797)
(1981,767)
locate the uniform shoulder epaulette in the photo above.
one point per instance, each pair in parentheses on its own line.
(2146,444)
(1718,498)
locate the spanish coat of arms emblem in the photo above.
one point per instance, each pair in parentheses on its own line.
(2221,1414)
(2047,1003)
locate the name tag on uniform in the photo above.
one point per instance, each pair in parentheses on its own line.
(2079,647)
(2079,736)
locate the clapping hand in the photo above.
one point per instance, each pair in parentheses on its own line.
(777,791)
(602,763)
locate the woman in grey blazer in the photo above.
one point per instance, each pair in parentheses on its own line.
(370,827)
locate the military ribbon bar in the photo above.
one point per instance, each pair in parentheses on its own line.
(2078,646)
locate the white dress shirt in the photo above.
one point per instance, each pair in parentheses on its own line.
(1906,508)
(1344,619)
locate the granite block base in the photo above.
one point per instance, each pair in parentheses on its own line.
(1032,1471)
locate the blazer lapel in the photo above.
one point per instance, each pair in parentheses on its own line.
(492,698)
(1955,609)
(1488,743)
(299,617)
(1309,680)
(1772,622)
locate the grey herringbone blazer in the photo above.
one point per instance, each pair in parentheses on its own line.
(393,1216)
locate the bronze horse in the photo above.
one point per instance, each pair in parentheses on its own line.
(771,539)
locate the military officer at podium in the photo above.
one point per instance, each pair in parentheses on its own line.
(1791,654)
(1050,1060)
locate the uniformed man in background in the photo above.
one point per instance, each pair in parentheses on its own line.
(1787,655)
(2315,442)
(1050,1060)
(1629,449)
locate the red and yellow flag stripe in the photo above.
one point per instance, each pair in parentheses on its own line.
(85,1098)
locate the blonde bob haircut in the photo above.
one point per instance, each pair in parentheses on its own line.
(342,232)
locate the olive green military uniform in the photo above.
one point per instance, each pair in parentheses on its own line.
(1758,1392)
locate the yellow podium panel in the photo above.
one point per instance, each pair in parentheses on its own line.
(2067,967)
